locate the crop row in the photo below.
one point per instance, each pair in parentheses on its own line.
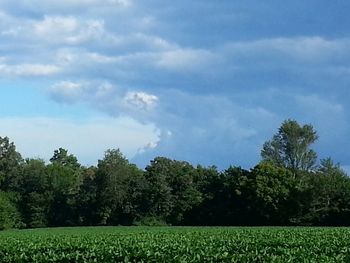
(176,245)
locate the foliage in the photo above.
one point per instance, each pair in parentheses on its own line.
(329,196)
(62,157)
(272,187)
(176,245)
(118,185)
(172,191)
(10,161)
(9,216)
(285,188)
(64,180)
(35,193)
(290,146)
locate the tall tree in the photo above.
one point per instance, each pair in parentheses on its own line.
(207,210)
(272,189)
(65,179)
(36,196)
(115,179)
(328,196)
(9,216)
(10,164)
(62,157)
(290,146)
(172,189)
(86,199)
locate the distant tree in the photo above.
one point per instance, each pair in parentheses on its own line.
(115,179)
(329,195)
(64,175)
(62,157)
(9,215)
(10,165)
(208,209)
(272,189)
(86,198)
(290,147)
(36,194)
(172,189)
(240,197)
(226,197)
(329,167)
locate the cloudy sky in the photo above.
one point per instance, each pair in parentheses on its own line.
(203,81)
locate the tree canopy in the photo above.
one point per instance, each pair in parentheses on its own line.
(34,193)
(290,146)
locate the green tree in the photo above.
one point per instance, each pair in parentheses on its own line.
(115,179)
(290,147)
(273,188)
(329,195)
(86,198)
(172,189)
(9,216)
(36,194)
(62,157)
(65,179)
(10,165)
(239,196)
(208,209)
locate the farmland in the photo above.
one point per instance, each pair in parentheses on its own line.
(176,244)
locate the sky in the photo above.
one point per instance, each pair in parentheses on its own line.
(206,82)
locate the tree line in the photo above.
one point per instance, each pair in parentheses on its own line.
(287,187)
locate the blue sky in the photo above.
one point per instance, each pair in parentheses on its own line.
(203,81)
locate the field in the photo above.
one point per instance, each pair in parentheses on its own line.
(176,244)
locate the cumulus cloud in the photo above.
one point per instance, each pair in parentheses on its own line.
(188,124)
(110,98)
(69,30)
(209,129)
(140,100)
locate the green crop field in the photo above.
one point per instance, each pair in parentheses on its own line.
(176,244)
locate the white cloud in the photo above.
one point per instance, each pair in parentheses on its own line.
(28,69)
(67,91)
(66,5)
(68,29)
(87,139)
(185,59)
(140,100)
(106,97)
(57,24)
